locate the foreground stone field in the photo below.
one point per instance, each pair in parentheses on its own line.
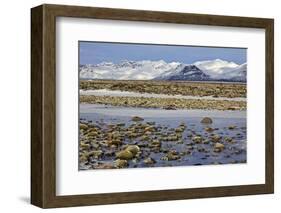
(140,143)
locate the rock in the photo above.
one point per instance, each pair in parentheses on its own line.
(209,129)
(179,135)
(237,152)
(179,129)
(84,146)
(172,155)
(111,126)
(114,142)
(182,124)
(109,153)
(138,127)
(84,126)
(142,144)
(197,139)
(149,129)
(133,135)
(206,120)
(144,138)
(128,132)
(172,138)
(120,163)
(232,127)
(124,155)
(148,133)
(105,166)
(170,107)
(233,108)
(190,147)
(95,145)
(218,147)
(93,134)
(228,139)
(201,149)
(180,142)
(216,138)
(185,153)
(83,158)
(115,135)
(134,149)
(149,161)
(95,153)
(137,118)
(206,141)
(154,144)
(164,158)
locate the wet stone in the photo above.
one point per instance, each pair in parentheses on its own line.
(83,126)
(137,118)
(216,138)
(206,120)
(197,139)
(134,149)
(149,161)
(209,129)
(120,163)
(172,155)
(124,155)
(232,127)
(218,147)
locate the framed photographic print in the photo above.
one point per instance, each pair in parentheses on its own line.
(137,106)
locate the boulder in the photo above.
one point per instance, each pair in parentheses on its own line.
(218,147)
(124,155)
(149,161)
(120,163)
(84,126)
(134,149)
(206,120)
(137,118)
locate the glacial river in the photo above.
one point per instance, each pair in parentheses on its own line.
(103,115)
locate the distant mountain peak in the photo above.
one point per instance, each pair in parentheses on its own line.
(188,72)
(209,70)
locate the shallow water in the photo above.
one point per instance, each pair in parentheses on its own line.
(118,93)
(167,120)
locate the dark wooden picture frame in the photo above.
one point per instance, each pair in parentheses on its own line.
(43,105)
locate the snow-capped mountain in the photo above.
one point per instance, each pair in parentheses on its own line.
(224,70)
(215,70)
(127,70)
(187,72)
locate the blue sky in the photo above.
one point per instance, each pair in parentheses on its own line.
(97,52)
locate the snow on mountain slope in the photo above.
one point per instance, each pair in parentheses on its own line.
(160,70)
(216,68)
(134,70)
(237,74)
(186,73)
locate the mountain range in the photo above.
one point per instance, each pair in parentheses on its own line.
(210,70)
